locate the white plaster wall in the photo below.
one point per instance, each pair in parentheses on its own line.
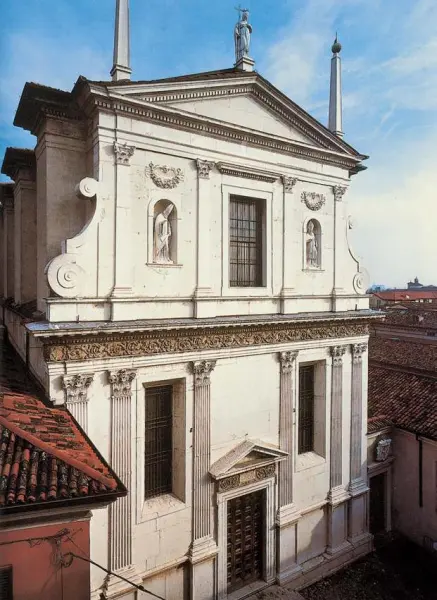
(408,517)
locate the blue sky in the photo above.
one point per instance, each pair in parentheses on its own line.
(389,81)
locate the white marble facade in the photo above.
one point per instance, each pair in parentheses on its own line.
(148,239)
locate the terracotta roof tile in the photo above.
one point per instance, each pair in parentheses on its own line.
(44,454)
(404,353)
(409,399)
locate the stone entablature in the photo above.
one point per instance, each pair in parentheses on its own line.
(186,339)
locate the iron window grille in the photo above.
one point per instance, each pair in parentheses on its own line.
(158,441)
(306,409)
(6,591)
(245,242)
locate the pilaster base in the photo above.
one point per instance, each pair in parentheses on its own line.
(204,304)
(337,524)
(337,495)
(122,292)
(358,527)
(285,296)
(203,569)
(287,567)
(117,588)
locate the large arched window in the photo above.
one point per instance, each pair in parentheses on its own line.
(313,245)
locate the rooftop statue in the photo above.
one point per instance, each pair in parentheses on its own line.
(242,34)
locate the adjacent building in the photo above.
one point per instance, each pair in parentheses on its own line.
(183,282)
(51,477)
(402,425)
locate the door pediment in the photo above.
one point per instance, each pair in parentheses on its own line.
(246,456)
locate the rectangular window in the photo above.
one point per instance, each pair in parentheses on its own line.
(245,242)
(6,592)
(158,441)
(306,409)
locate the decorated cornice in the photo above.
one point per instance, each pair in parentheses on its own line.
(287,360)
(246,173)
(169,117)
(123,153)
(203,168)
(337,353)
(180,340)
(76,386)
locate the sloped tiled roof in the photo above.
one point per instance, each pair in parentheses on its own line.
(408,399)
(403,353)
(44,454)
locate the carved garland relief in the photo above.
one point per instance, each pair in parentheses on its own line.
(164,176)
(246,478)
(313,200)
(142,344)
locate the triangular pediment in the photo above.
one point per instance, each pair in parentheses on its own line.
(248,454)
(235,99)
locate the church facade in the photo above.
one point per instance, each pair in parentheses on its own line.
(203,317)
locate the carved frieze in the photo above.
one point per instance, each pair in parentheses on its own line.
(123,153)
(165,176)
(246,478)
(121,382)
(203,168)
(312,200)
(246,173)
(202,371)
(287,360)
(76,386)
(337,353)
(289,183)
(382,449)
(358,351)
(162,342)
(338,192)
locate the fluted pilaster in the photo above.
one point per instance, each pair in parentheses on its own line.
(356,475)
(202,449)
(121,436)
(337,353)
(287,365)
(76,396)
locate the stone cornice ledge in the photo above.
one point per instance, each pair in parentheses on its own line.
(246,172)
(172,117)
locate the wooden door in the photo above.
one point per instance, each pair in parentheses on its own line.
(245,545)
(377,504)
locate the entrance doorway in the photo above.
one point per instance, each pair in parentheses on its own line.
(377,503)
(245,544)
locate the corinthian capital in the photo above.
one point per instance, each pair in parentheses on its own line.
(76,386)
(121,382)
(202,371)
(123,153)
(338,192)
(337,353)
(358,351)
(287,360)
(203,168)
(289,183)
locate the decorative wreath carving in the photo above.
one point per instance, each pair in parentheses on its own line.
(313,200)
(164,176)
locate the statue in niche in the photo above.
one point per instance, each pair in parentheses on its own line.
(312,246)
(242,34)
(162,231)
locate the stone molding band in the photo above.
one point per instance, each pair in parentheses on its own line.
(195,339)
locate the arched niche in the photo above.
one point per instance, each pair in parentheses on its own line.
(163,232)
(312,246)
